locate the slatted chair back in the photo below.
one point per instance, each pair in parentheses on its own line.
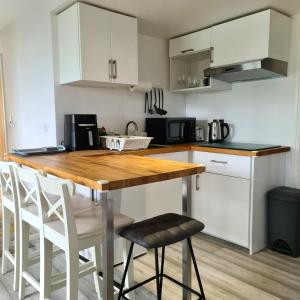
(28,190)
(56,203)
(8,182)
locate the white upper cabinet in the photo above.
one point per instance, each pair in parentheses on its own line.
(190,43)
(94,43)
(124,50)
(261,35)
(97,47)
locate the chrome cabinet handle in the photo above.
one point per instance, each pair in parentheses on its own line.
(110,70)
(197,182)
(212,52)
(115,71)
(219,162)
(187,50)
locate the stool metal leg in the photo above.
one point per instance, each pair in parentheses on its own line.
(162,269)
(125,271)
(157,275)
(196,267)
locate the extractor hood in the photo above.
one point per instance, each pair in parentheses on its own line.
(255,70)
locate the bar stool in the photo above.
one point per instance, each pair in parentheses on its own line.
(9,207)
(71,234)
(159,232)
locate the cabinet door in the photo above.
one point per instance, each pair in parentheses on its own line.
(165,196)
(241,40)
(68,45)
(194,42)
(222,204)
(124,47)
(95,43)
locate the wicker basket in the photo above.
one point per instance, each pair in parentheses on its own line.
(125,142)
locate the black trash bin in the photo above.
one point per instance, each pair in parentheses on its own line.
(284,220)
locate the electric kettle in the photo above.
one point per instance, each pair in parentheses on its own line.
(216,131)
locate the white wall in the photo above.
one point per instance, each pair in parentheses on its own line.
(260,112)
(28,78)
(115,107)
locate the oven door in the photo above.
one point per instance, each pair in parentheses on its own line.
(181,131)
(176,130)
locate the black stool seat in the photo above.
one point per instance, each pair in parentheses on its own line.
(162,230)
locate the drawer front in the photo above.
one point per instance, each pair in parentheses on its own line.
(224,164)
(187,44)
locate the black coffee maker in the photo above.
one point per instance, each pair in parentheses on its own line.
(81,132)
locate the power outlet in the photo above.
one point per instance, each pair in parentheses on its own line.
(12,123)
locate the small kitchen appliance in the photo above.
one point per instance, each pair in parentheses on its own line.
(81,132)
(171,130)
(199,134)
(218,131)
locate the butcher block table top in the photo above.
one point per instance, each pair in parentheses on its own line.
(106,171)
(180,148)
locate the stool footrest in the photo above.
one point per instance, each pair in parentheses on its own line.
(167,277)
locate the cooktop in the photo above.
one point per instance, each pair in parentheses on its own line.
(238,146)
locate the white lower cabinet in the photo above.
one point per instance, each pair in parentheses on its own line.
(221,196)
(166,196)
(222,203)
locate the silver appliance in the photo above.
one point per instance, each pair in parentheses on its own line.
(216,131)
(255,70)
(200,134)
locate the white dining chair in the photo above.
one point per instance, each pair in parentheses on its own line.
(71,233)
(30,216)
(9,209)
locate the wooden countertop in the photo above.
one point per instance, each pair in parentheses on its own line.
(108,172)
(179,148)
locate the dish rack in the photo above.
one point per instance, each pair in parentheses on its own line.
(125,142)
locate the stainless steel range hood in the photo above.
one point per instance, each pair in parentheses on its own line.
(255,70)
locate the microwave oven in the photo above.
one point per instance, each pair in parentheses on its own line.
(171,130)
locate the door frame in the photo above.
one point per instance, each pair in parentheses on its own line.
(3,129)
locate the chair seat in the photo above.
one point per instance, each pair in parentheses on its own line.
(89,223)
(162,230)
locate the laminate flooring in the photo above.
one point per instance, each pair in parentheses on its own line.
(228,272)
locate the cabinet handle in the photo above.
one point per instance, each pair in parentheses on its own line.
(110,71)
(219,162)
(115,71)
(197,183)
(187,50)
(212,52)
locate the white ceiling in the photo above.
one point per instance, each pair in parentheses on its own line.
(168,18)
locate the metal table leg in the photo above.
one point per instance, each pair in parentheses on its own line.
(108,246)
(186,256)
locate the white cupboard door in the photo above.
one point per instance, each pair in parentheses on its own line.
(190,43)
(165,196)
(241,40)
(95,43)
(68,45)
(124,47)
(222,204)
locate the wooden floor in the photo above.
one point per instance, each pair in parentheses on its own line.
(227,271)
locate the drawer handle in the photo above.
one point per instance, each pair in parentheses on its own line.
(219,162)
(212,55)
(197,183)
(187,50)
(110,68)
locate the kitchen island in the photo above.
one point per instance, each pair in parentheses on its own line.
(105,172)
